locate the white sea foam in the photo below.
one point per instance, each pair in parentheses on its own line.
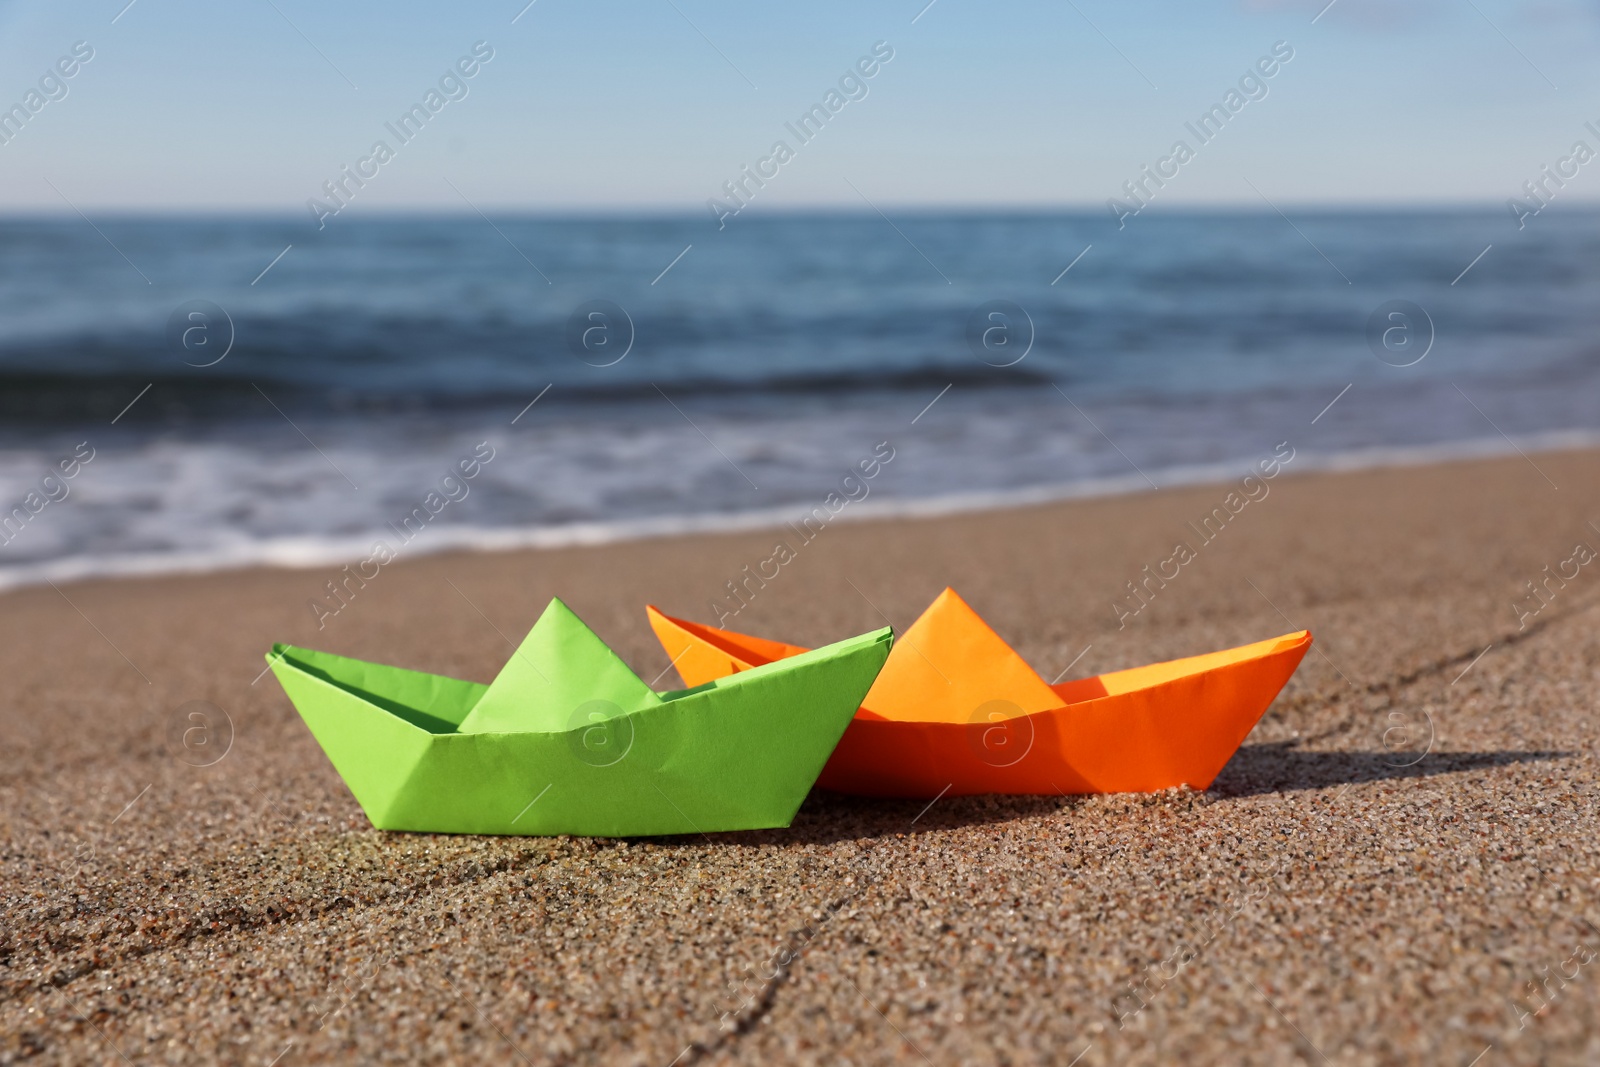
(322,550)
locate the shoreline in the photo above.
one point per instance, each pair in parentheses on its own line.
(1403,851)
(312,552)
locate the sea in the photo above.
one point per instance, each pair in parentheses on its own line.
(255,390)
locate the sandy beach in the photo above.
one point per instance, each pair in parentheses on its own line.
(1402,865)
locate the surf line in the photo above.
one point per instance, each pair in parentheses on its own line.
(52,488)
(453,488)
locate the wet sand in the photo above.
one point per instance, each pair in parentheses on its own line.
(1402,865)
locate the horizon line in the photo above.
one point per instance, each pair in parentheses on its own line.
(443,210)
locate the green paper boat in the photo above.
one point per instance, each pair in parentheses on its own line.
(568,740)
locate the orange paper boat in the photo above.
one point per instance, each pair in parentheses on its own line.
(957,711)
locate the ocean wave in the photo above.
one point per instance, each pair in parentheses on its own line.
(312,551)
(35,398)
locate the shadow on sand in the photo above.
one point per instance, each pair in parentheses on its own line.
(1255,770)
(1280,767)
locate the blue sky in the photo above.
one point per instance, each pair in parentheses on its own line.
(655,103)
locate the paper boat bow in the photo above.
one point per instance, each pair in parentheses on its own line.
(568,740)
(957,711)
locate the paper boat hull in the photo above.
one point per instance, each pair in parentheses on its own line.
(1175,732)
(1142,730)
(736,754)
